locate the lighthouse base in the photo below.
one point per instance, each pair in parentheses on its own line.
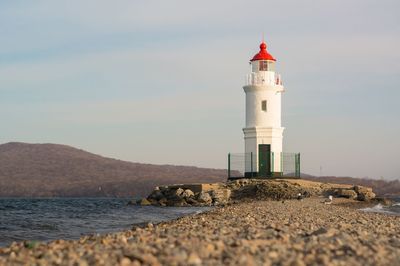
(259,175)
(245,165)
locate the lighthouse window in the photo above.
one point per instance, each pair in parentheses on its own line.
(263,66)
(264,106)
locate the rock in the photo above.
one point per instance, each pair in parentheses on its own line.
(273,255)
(277,190)
(194,259)
(177,202)
(12,255)
(364,193)
(156,194)
(173,197)
(192,202)
(153,202)
(163,202)
(178,193)
(144,202)
(187,194)
(221,196)
(395,242)
(204,198)
(319,231)
(347,193)
(366,196)
(359,189)
(125,261)
(384,201)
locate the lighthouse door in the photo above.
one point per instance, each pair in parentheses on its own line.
(264,160)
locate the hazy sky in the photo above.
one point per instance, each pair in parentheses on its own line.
(161,81)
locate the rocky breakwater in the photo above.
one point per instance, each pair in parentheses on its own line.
(355,192)
(181,195)
(234,191)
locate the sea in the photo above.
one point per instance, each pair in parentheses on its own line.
(393,209)
(45,219)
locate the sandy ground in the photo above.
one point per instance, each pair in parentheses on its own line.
(292,232)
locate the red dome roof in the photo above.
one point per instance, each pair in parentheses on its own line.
(263,54)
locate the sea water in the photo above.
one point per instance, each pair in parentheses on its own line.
(69,218)
(393,209)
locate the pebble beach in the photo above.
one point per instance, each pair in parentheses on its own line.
(290,232)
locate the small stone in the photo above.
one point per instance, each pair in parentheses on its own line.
(273,255)
(194,259)
(12,255)
(319,231)
(125,262)
(150,226)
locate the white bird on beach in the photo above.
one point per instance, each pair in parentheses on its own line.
(299,196)
(329,200)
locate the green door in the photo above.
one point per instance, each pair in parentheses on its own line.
(264,160)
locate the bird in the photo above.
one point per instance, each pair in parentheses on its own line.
(329,200)
(299,196)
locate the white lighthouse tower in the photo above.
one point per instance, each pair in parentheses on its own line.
(263,133)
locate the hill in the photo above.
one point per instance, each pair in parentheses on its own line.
(49,170)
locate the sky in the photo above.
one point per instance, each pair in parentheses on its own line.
(161,81)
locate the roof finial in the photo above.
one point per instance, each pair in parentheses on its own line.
(263,53)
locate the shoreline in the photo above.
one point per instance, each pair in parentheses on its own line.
(249,232)
(45,220)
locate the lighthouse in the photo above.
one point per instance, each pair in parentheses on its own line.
(263,132)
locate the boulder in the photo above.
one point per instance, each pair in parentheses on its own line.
(144,202)
(177,203)
(163,202)
(359,189)
(187,194)
(173,194)
(204,198)
(156,194)
(364,193)
(347,193)
(178,193)
(193,202)
(366,196)
(384,201)
(221,196)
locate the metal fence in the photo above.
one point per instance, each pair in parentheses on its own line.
(280,164)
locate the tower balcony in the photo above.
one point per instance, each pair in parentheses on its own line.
(263,78)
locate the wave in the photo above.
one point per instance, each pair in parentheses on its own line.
(382,209)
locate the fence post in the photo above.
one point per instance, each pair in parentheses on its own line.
(251,163)
(272,163)
(299,166)
(229,166)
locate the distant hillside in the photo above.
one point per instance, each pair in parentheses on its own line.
(46,170)
(380,187)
